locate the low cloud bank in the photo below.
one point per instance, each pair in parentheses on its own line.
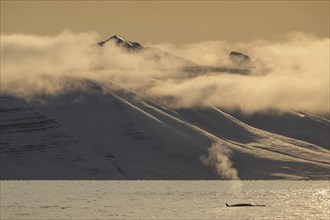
(290,73)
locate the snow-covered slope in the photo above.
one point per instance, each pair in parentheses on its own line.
(298,125)
(123,135)
(34,146)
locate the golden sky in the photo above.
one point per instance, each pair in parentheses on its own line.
(168,21)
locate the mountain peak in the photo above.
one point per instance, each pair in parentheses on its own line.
(120,41)
(117,37)
(240,59)
(239,56)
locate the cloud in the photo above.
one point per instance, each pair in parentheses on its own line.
(34,65)
(219,158)
(289,73)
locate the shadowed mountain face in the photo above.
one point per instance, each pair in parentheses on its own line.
(109,131)
(35,146)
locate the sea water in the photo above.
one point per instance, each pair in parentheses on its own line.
(164,199)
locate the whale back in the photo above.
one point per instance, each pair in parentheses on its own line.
(240,205)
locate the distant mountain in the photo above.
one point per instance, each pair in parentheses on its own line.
(240,64)
(150,53)
(122,42)
(240,60)
(239,57)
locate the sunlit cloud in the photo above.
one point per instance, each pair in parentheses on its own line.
(290,73)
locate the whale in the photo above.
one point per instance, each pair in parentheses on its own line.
(243,205)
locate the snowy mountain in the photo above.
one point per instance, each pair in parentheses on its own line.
(107,132)
(122,42)
(239,57)
(149,53)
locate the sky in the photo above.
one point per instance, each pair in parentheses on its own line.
(176,22)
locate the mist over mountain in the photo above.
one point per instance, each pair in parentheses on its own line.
(122,110)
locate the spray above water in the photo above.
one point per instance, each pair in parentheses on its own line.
(219,158)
